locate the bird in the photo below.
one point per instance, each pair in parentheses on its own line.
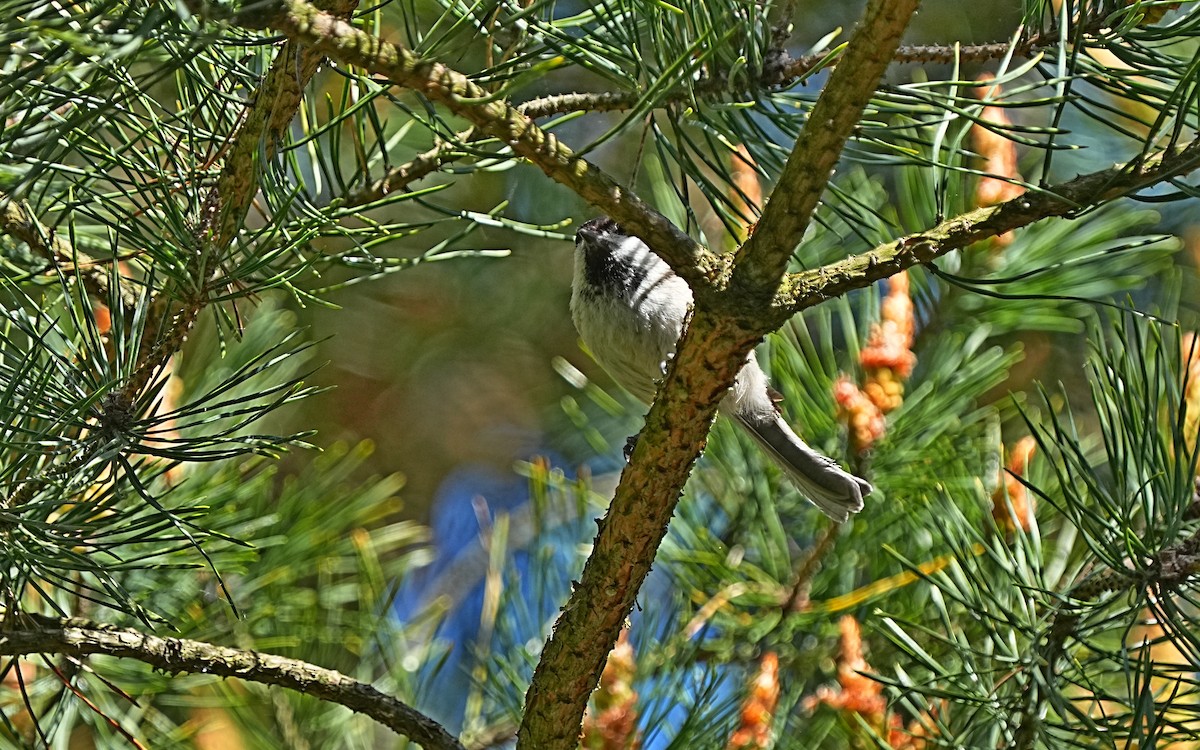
(629,308)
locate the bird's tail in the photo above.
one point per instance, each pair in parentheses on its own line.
(837,492)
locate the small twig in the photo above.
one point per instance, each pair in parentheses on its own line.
(422,165)
(33,634)
(598,101)
(798,596)
(781,72)
(270,113)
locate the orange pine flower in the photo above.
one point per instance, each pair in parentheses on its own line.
(999,155)
(17,672)
(858,694)
(860,413)
(1011,492)
(888,360)
(747,194)
(758,711)
(888,357)
(855,693)
(103,318)
(915,736)
(611,722)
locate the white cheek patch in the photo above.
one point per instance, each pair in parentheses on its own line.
(632,247)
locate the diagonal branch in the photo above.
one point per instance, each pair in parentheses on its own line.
(32,634)
(803,290)
(785,71)
(783,74)
(420,166)
(495,116)
(273,106)
(762,259)
(176,310)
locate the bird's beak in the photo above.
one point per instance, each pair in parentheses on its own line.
(588,233)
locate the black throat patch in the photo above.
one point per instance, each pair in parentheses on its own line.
(608,272)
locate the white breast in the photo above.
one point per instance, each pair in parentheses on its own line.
(631,333)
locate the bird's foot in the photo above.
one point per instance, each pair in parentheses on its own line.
(630,444)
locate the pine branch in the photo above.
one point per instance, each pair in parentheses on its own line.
(797,596)
(783,74)
(801,291)
(788,70)
(273,106)
(17,220)
(1171,567)
(725,327)
(268,117)
(598,101)
(420,166)
(760,262)
(784,71)
(495,116)
(32,634)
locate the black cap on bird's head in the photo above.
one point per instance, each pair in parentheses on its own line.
(608,262)
(593,229)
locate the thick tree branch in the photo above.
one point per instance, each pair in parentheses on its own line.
(708,358)
(495,116)
(724,329)
(721,334)
(29,634)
